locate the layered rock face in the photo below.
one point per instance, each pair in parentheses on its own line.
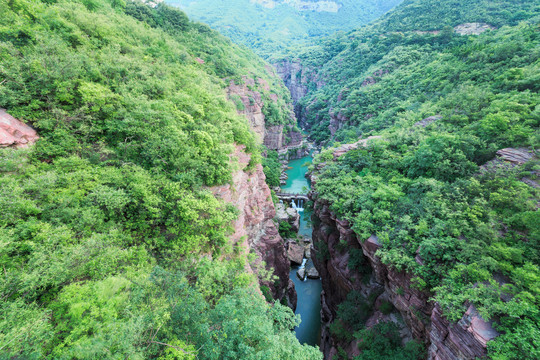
(250,103)
(14,133)
(254,229)
(297,77)
(422,319)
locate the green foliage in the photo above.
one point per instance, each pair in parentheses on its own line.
(286,231)
(382,341)
(352,314)
(454,226)
(386,307)
(272,168)
(271,29)
(112,244)
(358,262)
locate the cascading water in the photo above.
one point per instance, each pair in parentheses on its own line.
(299,207)
(308,290)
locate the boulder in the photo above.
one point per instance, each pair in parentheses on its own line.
(295,253)
(312,273)
(14,133)
(301,273)
(289,215)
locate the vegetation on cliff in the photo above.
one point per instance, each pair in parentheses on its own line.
(110,246)
(443,104)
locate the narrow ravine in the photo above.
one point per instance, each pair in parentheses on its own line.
(309,290)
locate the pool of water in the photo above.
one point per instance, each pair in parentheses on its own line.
(297,183)
(308,291)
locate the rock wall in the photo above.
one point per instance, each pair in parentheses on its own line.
(254,229)
(297,77)
(421,319)
(250,103)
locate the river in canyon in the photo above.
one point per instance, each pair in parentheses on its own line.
(309,290)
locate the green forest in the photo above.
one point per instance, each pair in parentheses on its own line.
(110,245)
(113,245)
(270,30)
(427,189)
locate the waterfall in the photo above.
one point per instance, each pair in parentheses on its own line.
(299,207)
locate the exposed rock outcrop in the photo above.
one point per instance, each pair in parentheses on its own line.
(302,5)
(509,160)
(254,229)
(295,253)
(14,133)
(250,103)
(273,138)
(419,318)
(289,215)
(428,121)
(295,77)
(343,149)
(473,28)
(375,77)
(516,156)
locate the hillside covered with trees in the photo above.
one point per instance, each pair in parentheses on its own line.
(441,103)
(111,246)
(271,26)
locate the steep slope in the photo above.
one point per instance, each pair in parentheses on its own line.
(337,72)
(115,241)
(270,26)
(429,230)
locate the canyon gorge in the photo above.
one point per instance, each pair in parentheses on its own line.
(328,180)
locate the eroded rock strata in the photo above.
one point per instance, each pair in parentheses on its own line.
(254,229)
(250,103)
(15,133)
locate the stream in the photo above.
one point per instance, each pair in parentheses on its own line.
(308,291)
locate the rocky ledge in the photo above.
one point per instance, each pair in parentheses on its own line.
(14,133)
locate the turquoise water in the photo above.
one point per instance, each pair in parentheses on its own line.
(309,309)
(297,183)
(308,291)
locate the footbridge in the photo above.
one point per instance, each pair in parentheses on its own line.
(291,196)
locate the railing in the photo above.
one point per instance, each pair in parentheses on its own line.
(291,195)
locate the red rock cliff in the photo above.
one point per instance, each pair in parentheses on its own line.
(254,228)
(424,320)
(250,103)
(14,133)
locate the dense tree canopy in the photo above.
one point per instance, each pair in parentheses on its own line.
(271,27)
(443,104)
(111,246)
